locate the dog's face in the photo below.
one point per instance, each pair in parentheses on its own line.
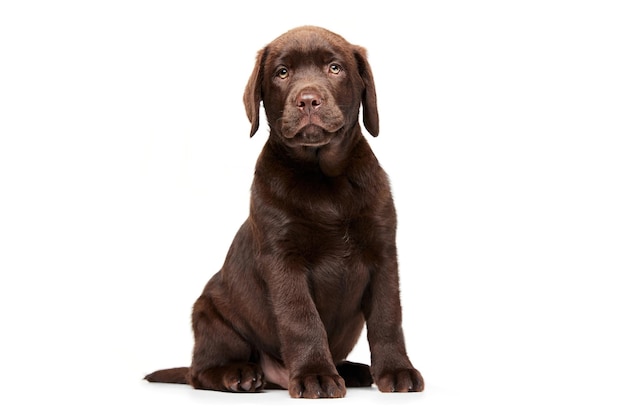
(312,83)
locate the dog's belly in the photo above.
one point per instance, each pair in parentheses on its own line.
(274,372)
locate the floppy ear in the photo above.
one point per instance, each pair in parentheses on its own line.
(370,109)
(252,94)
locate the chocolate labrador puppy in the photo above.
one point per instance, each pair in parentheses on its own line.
(316,258)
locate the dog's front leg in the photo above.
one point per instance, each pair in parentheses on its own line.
(303,339)
(391,368)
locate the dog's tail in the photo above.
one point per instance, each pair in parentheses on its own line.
(176,375)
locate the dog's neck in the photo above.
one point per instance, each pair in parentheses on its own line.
(331,159)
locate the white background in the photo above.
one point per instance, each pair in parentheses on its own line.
(125,168)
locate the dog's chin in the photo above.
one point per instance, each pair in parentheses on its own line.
(311,136)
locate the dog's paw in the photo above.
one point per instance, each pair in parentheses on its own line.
(402,380)
(317,386)
(235,377)
(243,378)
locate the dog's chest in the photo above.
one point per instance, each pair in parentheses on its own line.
(331,222)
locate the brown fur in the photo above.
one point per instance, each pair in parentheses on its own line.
(316,258)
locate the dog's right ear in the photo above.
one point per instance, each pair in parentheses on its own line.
(252,96)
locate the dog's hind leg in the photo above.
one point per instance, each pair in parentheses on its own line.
(222,360)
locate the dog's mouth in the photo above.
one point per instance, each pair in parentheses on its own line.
(311,135)
(311,129)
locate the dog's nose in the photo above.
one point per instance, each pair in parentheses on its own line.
(308,101)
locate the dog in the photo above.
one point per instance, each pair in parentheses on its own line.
(316,259)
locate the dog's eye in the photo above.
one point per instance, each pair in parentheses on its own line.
(282,73)
(334,68)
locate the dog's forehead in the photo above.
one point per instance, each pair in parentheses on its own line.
(309,42)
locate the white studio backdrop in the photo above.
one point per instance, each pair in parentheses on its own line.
(125,168)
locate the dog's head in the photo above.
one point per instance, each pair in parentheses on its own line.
(312,83)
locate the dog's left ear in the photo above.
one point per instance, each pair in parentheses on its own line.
(370,109)
(252,95)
